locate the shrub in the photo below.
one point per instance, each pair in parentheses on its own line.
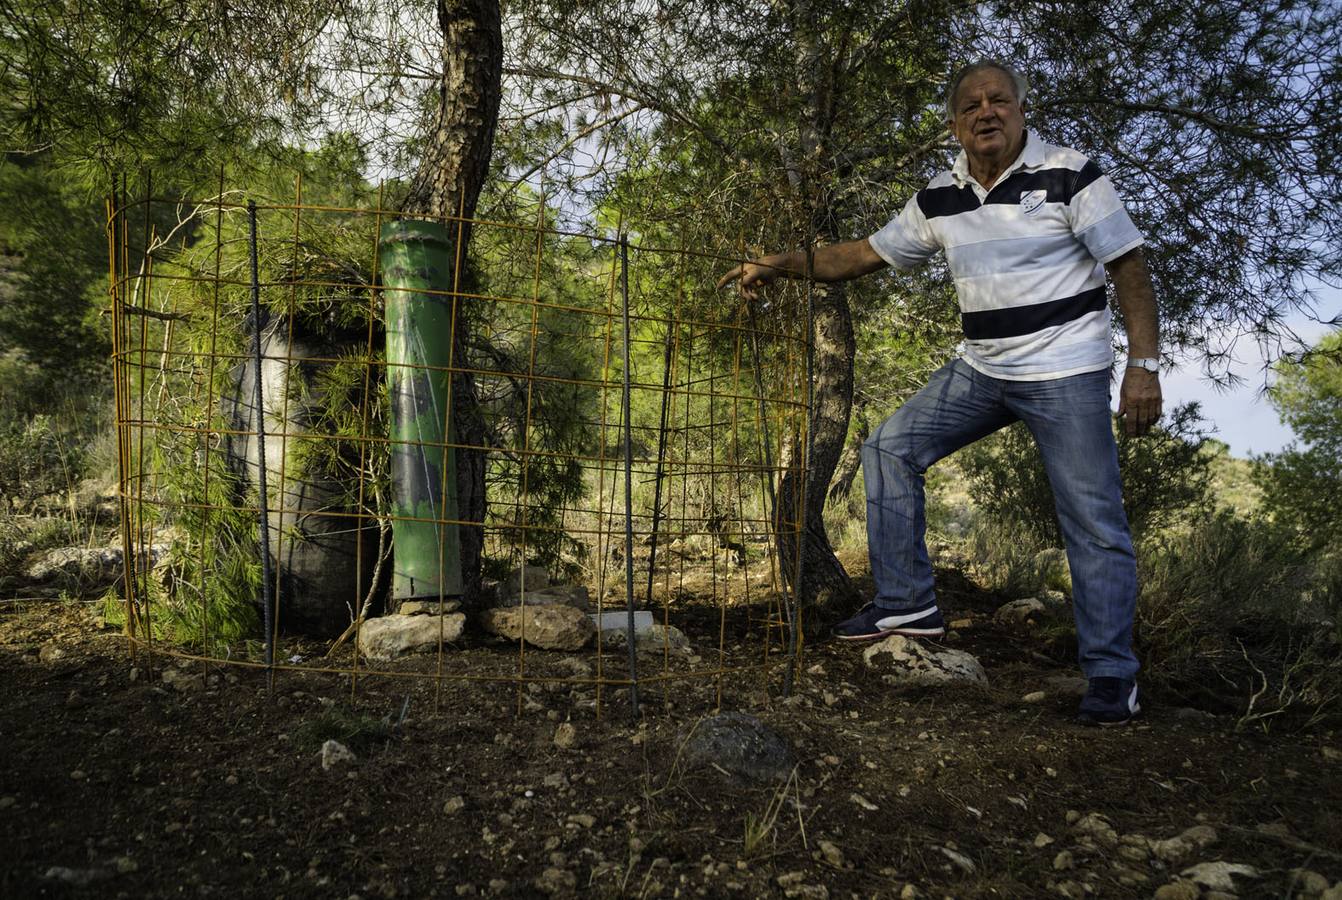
(1237,615)
(35,461)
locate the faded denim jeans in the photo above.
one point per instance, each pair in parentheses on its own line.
(1071,423)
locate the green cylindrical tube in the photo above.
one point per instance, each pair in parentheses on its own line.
(417,259)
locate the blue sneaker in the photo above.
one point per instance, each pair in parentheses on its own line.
(874,621)
(1109,702)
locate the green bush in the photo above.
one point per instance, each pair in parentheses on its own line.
(35,462)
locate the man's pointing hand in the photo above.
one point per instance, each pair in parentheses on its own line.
(753,276)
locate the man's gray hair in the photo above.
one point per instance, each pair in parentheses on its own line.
(1018,81)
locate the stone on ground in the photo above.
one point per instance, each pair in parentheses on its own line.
(1019,613)
(913,662)
(427,607)
(334,753)
(388,637)
(546,627)
(534,578)
(740,744)
(653,638)
(1218,875)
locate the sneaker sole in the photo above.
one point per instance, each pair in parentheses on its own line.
(905,632)
(1096,723)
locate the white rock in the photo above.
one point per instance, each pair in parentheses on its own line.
(75,877)
(1034,697)
(964,863)
(334,753)
(388,637)
(1218,875)
(916,663)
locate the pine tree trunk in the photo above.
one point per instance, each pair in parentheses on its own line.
(825,589)
(845,473)
(451,173)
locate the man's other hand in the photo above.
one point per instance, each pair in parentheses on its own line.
(1139,401)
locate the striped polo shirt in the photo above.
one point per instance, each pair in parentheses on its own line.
(1027,257)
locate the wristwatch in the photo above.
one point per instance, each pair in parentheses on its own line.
(1150,365)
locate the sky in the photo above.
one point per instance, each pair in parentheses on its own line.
(1242,417)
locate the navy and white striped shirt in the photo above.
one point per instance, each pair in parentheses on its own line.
(1027,257)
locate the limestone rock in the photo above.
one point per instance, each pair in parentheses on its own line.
(574,595)
(1178,890)
(1308,882)
(427,607)
(565,736)
(536,578)
(554,881)
(653,638)
(1098,828)
(182,681)
(1019,613)
(546,627)
(334,753)
(388,637)
(916,663)
(1182,846)
(740,744)
(1219,875)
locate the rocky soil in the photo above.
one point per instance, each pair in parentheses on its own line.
(147,776)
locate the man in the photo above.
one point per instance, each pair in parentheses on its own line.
(1029,231)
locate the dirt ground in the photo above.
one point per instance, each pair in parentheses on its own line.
(115,782)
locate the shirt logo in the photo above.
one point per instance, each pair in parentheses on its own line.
(1032,201)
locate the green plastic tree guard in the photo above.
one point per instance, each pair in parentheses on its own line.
(416,260)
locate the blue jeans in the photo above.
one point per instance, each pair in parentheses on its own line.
(1071,422)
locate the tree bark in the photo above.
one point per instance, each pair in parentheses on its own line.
(825,590)
(845,473)
(447,184)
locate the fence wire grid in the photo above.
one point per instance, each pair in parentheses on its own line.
(630,426)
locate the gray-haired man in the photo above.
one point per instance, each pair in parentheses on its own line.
(1029,231)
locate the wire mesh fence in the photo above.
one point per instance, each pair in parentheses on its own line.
(553,459)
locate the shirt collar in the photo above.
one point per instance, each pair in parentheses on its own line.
(1031,157)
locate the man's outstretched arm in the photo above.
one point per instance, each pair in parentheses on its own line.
(833,262)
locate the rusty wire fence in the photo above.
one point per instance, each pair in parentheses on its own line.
(614,435)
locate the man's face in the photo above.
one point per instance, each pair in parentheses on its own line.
(989,122)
